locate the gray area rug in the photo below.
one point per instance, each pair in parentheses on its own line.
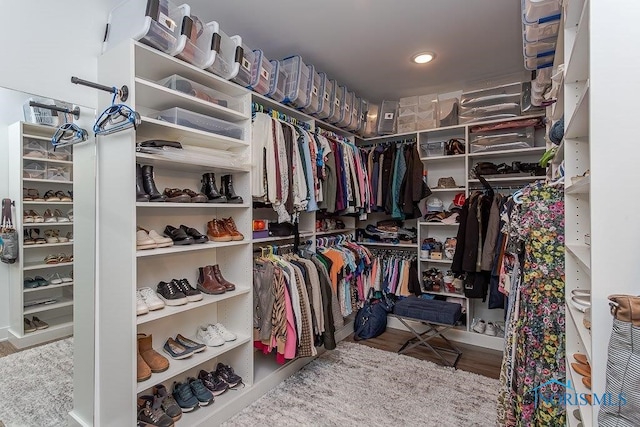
(36,386)
(359,385)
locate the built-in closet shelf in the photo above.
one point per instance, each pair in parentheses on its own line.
(61,302)
(442,158)
(47,245)
(445,294)
(509,153)
(330,232)
(206,300)
(577,68)
(153,65)
(151,128)
(39,137)
(182,165)
(159,98)
(559,157)
(177,367)
(436,224)
(167,205)
(42,265)
(448,190)
(461,127)
(189,248)
(46,224)
(397,245)
(526,178)
(277,238)
(437,261)
(47,181)
(44,288)
(582,253)
(62,325)
(47,160)
(394,136)
(206,415)
(586,412)
(577,125)
(583,186)
(557,109)
(31,202)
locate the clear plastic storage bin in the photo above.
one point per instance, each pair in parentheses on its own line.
(371,122)
(44,116)
(59,172)
(536,32)
(296,92)
(157,23)
(509,93)
(339,97)
(277,82)
(34,170)
(387,118)
(408,101)
(433,149)
(364,107)
(406,124)
(537,11)
(198,47)
(536,63)
(327,97)
(261,73)
(34,148)
(539,48)
(201,122)
(197,90)
(345,117)
(248,61)
(504,139)
(228,50)
(314,92)
(447,112)
(60,153)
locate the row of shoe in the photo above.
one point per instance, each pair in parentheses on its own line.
(32,237)
(33,195)
(213,335)
(146,189)
(582,367)
(218,230)
(163,409)
(58,258)
(32,216)
(493,329)
(52,279)
(34,324)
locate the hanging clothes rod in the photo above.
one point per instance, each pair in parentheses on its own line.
(333,135)
(259,108)
(75,111)
(123,92)
(275,249)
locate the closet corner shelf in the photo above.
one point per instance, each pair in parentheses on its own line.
(442,158)
(46,224)
(577,125)
(190,205)
(437,261)
(396,245)
(583,333)
(42,265)
(582,253)
(277,238)
(448,190)
(199,167)
(206,300)
(31,202)
(47,160)
(341,231)
(437,224)
(189,248)
(507,153)
(61,302)
(44,288)
(177,367)
(47,245)
(47,181)
(577,67)
(159,98)
(581,187)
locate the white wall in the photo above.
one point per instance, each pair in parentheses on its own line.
(46,42)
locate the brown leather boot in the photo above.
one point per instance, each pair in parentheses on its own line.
(230,226)
(218,275)
(217,231)
(208,283)
(156,361)
(144,371)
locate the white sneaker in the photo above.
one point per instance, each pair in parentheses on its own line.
(479,326)
(141,307)
(223,332)
(209,336)
(143,241)
(491,329)
(151,299)
(160,241)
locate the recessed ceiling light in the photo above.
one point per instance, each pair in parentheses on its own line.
(423,57)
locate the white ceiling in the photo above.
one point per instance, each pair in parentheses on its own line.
(367,44)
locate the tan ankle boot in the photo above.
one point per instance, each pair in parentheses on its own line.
(157,362)
(230,225)
(217,231)
(144,372)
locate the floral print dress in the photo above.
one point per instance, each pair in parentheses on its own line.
(535,341)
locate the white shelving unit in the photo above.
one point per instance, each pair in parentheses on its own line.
(30,144)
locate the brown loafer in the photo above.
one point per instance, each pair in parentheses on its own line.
(196,197)
(581,358)
(175,195)
(584,370)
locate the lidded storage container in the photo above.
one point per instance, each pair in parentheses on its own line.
(345,115)
(229,52)
(261,73)
(327,97)
(355,115)
(296,92)
(245,71)
(387,118)
(314,91)
(198,47)
(277,82)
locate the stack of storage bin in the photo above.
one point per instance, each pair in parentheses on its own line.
(500,102)
(540,23)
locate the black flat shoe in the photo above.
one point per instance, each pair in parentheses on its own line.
(195,234)
(178,235)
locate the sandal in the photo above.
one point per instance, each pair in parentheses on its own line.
(52,236)
(29,283)
(50,196)
(49,217)
(70,215)
(41,281)
(51,259)
(25,195)
(27,217)
(69,237)
(63,197)
(65,257)
(36,216)
(69,278)
(54,279)
(27,239)
(34,195)
(60,238)
(59,216)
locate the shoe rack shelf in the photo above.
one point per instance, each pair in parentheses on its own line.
(187,165)
(189,205)
(34,141)
(189,248)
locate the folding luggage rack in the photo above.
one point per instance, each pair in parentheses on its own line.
(437,316)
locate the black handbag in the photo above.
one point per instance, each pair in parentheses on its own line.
(371,319)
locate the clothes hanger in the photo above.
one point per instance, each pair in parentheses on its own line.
(116,118)
(68,134)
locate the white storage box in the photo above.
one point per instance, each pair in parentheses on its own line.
(261,73)
(408,101)
(327,95)
(536,32)
(387,118)
(537,11)
(157,23)
(59,172)
(362,111)
(228,51)
(504,139)
(34,170)
(433,149)
(296,92)
(371,122)
(201,122)
(277,82)
(197,90)
(539,48)
(545,61)
(314,92)
(198,47)
(247,63)
(339,98)
(355,115)
(34,148)
(447,112)
(345,117)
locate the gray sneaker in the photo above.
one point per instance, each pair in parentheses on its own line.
(150,411)
(169,404)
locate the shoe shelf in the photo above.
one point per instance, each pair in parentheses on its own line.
(437,224)
(206,300)
(580,389)
(278,238)
(187,165)
(47,245)
(27,202)
(191,205)
(525,178)
(160,98)
(583,186)
(45,288)
(189,248)
(508,153)
(59,326)
(330,232)
(442,158)
(436,261)
(582,253)
(47,181)
(177,367)
(42,265)
(45,160)
(46,224)
(60,302)
(577,318)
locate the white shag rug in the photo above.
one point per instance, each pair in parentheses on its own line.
(359,385)
(36,386)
